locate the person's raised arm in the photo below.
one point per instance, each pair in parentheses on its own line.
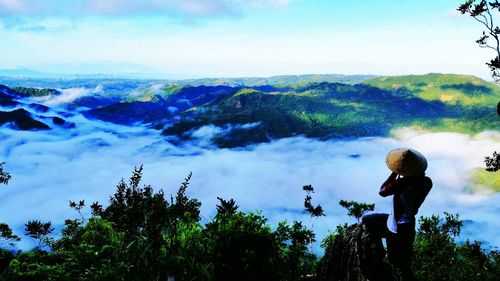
(388,186)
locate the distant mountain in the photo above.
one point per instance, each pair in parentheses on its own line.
(17,112)
(21,72)
(239,115)
(32,75)
(276,80)
(324,110)
(34,92)
(22,120)
(333,110)
(152,107)
(25,73)
(447,88)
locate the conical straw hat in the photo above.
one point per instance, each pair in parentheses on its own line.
(407,162)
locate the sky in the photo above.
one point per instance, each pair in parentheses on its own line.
(234,38)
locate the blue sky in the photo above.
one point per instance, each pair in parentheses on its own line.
(214,38)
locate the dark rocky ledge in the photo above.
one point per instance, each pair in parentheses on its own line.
(355,256)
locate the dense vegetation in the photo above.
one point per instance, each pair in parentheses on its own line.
(276,80)
(327,110)
(484,181)
(143,235)
(244,115)
(24,114)
(448,88)
(34,92)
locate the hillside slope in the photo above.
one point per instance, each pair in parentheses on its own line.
(18,113)
(327,110)
(448,88)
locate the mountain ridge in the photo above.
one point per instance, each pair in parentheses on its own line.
(319,109)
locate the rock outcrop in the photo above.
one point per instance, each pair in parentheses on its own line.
(355,256)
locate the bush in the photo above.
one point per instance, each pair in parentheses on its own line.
(437,256)
(141,235)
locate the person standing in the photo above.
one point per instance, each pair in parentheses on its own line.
(409,187)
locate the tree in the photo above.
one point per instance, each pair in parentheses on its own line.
(39,231)
(150,224)
(482,11)
(437,256)
(7,236)
(226,207)
(493,162)
(4,176)
(355,209)
(78,208)
(309,208)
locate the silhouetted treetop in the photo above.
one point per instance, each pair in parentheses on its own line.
(4,176)
(314,211)
(493,162)
(228,207)
(481,11)
(356,209)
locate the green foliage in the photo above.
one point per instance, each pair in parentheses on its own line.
(284,80)
(140,235)
(149,224)
(325,110)
(296,261)
(7,236)
(451,89)
(482,11)
(94,251)
(340,230)
(242,247)
(356,209)
(34,92)
(485,182)
(438,257)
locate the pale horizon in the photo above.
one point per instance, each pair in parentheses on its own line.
(232,38)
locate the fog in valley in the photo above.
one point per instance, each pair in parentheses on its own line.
(49,168)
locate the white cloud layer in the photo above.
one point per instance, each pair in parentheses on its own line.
(68,95)
(190,8)
(52,167)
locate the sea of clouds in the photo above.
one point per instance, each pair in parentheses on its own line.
(69,95)
(49,168)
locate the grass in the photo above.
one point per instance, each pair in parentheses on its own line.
(485,182)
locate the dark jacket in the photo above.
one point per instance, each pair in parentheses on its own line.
(409,194)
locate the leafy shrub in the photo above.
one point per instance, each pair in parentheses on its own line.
(437,256)
(141,235)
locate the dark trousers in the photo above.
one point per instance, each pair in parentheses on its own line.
(399,245)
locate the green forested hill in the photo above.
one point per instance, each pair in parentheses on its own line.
(275,80)
(448,88)
(332,110)
(247,115)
